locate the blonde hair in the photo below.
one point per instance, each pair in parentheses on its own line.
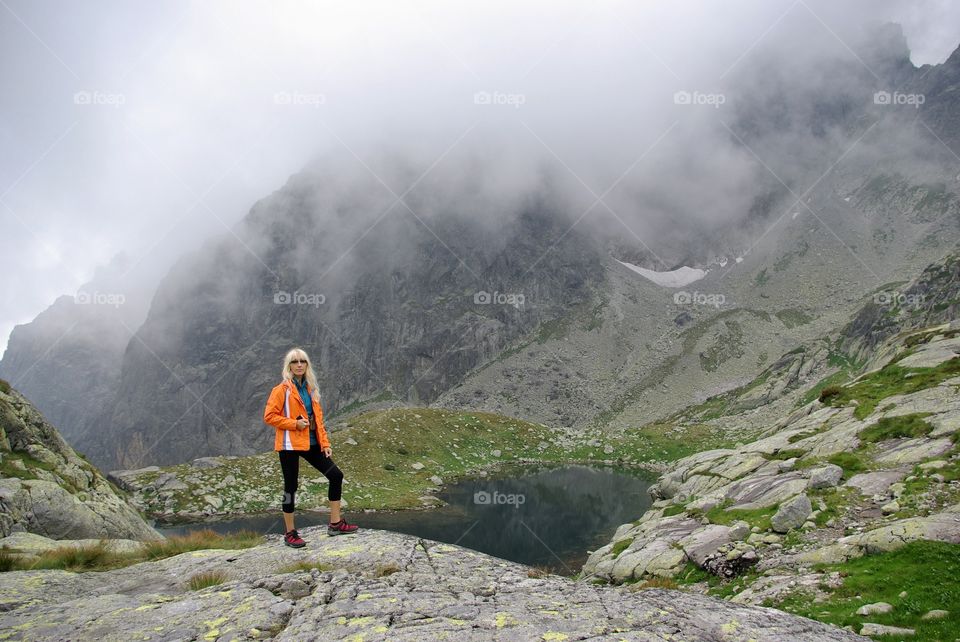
(311,376)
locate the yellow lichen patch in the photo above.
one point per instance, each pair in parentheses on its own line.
(454,620)
(363,596)
(214,623)
(360,621)
(147,607)
(730,627)
(343,552)
(549,612)
(381,629)
(341,620)
(555,635)
(212,634)
(505,619)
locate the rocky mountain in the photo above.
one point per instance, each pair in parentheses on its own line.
(47,489)
(373,585)
(423,305)
(67,360)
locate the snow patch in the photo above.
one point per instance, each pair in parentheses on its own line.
(672,279)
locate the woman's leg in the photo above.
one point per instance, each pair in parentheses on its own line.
(325,465)
(290,466)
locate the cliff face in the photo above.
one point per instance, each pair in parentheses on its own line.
(45,488)
(404,313)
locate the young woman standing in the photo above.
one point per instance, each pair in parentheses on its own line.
(294,410)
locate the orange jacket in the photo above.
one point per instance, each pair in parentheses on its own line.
(283,407)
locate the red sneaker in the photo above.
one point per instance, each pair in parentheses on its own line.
(292,538)
(341,528)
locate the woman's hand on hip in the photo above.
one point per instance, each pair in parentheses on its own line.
(327,451)
(302,423)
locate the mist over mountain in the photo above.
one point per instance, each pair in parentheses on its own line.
(488,271)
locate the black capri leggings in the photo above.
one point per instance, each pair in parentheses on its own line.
(290,465)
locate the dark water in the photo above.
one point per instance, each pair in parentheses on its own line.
(540,516)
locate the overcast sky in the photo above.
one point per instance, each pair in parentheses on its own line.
(147,127)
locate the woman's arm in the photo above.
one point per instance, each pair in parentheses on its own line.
(273,412)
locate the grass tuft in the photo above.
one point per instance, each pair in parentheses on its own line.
(897,427)
(206,579)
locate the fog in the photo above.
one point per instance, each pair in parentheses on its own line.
(146,128)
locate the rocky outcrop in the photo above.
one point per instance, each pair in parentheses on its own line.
(792,481)
(46,488)
(373,586)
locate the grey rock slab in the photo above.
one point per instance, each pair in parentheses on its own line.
(436,591)
(912,451)
(761,491)
(876,483)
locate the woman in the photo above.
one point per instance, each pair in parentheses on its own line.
(294,410)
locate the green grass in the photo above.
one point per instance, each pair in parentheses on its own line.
(652,443)
(79,558)
(911,425)
(98,557)
(891,380)
(621,546)
(206,579)
(927,571)
(793,317)
(4,387)
(787,453)
(852,463)
(673,509)
(755,517)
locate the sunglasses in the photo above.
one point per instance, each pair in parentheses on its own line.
(298,361)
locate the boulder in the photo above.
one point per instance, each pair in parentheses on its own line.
(877,608)
(791,514)
(825,476)
(882,629)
